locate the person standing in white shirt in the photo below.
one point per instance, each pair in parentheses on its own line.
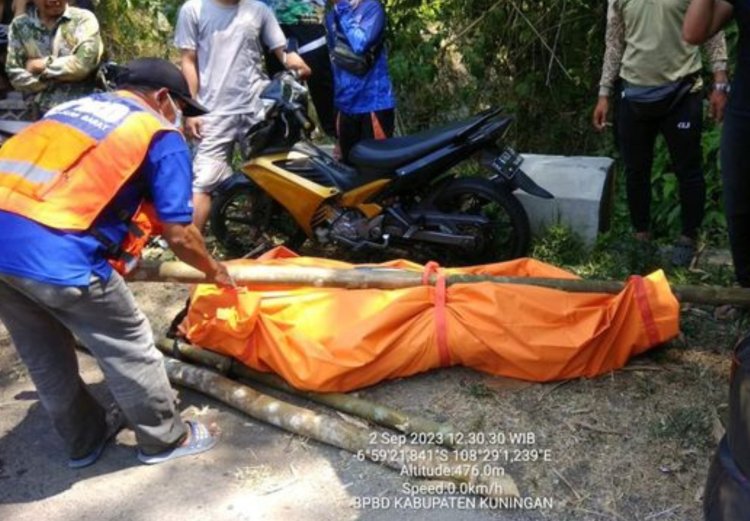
(222,59)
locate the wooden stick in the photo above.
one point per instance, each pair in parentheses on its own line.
(392,278)
(392,451)
(438,433)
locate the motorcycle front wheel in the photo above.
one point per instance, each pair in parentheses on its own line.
(505,236)
(246,221)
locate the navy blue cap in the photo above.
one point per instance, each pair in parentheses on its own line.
(159,73)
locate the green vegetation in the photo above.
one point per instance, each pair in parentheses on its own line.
(138,28)
(617,256)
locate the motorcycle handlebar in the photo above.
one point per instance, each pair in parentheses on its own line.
(306,125)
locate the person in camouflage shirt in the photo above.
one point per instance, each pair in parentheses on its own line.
(54,51)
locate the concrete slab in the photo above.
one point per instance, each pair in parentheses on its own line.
(583,190)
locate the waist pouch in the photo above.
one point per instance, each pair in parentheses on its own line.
(657,102)
(343,56)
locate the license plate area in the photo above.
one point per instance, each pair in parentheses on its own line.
(507,164)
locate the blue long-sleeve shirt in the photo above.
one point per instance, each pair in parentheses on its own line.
(363,28)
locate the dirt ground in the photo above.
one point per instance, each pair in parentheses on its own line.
(631,445)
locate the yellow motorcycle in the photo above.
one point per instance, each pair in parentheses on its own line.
(396,196)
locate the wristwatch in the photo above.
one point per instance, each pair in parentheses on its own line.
(722,87)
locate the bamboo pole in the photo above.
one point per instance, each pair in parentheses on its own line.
(391,450)
(346,403)
(359,278)
(392,278)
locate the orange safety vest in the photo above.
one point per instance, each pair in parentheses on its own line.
(63,170)
(144,224)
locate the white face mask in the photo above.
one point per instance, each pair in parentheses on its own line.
(177,113)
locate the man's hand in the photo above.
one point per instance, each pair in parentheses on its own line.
(295,62)
(599,119)
(222,277)
(193,127)
(187,243)
(717,100)
(36,66)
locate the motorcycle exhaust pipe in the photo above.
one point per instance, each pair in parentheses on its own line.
(727,493)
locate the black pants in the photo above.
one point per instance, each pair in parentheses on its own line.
(320,82)
(735,176)
(353,128)
(681,127)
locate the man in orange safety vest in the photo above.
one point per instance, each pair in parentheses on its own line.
(72,187)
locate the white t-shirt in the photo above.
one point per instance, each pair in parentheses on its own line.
(227,39)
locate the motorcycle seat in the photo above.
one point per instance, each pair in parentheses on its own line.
(389,154)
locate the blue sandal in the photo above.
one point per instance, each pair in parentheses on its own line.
(199,440)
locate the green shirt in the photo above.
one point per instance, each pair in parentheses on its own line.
(73,48)
(645,45)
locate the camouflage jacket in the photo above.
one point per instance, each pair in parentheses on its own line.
(73,50)
(292,12)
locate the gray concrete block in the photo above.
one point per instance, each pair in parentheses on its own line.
(583,190)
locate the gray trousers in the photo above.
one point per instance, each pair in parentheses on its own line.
(44,320)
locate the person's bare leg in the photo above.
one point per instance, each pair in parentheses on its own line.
(201,209)
(212,162)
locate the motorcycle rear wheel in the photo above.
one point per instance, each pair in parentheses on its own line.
(245,220)
(507,235)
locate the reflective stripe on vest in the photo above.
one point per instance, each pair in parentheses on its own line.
(63,170)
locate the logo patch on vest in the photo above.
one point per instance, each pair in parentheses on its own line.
(95,117)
